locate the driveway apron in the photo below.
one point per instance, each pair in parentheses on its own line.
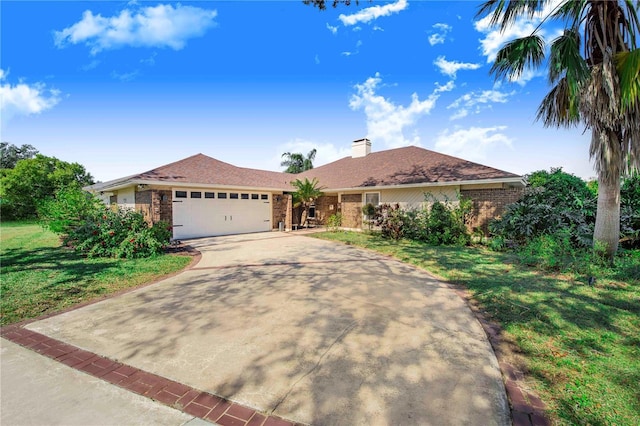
(312,331)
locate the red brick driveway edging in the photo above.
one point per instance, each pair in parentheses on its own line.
(168,392)
(526,408)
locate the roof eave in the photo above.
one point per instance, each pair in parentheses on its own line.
(133,182)
(518,180)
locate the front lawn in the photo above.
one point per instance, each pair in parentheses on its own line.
(580,343)
(38,277)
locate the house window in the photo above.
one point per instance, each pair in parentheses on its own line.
(233,195)
(222,195)
(209,195)
(244,196)
(312,211)
(255,196)
(197,194)
(181,194)
(372,198)
(264,196)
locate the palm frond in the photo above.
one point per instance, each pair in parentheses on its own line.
(633,22)
(565,58)
(570,10)
(561,105)
(515,56)
(505,12)
(628,67)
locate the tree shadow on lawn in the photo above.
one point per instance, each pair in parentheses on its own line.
(586,324)
(35,282)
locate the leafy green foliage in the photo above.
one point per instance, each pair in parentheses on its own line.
(298,163)
(390,219)
(120,234)
(630,211)
(442,224)
(334,222)
(32,181)
(69,209)
(552,202)
(94,230)
(306,191)
(11,154)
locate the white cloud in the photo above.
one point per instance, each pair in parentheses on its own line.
(440,33)
(326,152)
(91,65)
(386,121)
(317,59)
(477,101)
(346,53)
(451,68)
(377,28)
(25,99)
(152,26)
(126,76)
(472,144)
(494,38)
(371,13)
(151,60)
(334,30)
(446,88)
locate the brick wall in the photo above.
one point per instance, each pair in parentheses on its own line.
(281,211)
(164,201)
(351,209)
(489,204)
(155,205)
(324,209)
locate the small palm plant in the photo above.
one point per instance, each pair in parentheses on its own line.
(306,192)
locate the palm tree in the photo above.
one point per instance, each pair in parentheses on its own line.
(306,192)
(594,68)
(298,163)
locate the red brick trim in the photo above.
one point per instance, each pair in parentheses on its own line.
(526,408)
(165,391)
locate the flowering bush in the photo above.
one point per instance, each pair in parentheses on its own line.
(98,231)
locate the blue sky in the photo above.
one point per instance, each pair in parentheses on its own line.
(123,87)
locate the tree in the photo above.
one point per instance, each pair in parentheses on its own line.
(34,180)
(11,154)
(594,68)
(322,4)
(298,163)
(306,192)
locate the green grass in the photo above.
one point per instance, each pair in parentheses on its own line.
(39,277)
(580,343)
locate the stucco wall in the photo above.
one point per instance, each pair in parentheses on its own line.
(414,198)
(127,198)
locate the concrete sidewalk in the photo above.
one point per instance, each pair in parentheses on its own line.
(35,390)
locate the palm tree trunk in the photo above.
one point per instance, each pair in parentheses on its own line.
(607,230)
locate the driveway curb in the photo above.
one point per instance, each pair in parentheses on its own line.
(168,392)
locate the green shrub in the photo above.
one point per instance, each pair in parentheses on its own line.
(334,222)
(442,224)
(552,202)
(390,219)
(95,230)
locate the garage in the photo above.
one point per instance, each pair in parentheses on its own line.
(210,212)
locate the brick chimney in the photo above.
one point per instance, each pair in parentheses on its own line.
(360,148)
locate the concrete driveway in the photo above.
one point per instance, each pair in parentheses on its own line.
(308,330)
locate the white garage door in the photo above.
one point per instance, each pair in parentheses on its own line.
(200,213)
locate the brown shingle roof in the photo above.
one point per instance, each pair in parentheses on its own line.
(202,169)
(401,166)
(409,165)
